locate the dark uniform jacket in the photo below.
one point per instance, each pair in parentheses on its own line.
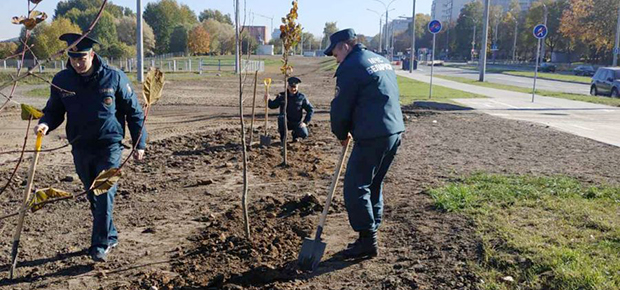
(367,97)
(296,103)
(98,111)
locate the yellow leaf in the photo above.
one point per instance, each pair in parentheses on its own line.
(105,180)
(42,195)
(153,86)
(28,111)
(34,18)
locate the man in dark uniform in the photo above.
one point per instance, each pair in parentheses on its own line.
(367,108)
(99,102)
(297,103)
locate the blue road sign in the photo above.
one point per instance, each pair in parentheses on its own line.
(494,47)
(616,50)
(434,26)
(540,31)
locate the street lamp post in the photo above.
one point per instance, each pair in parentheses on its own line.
(387,13)
(617,39)
(542,48)
(485,36)
(412,59)
(473,40)
(380,27)
(514,45)
(139,42)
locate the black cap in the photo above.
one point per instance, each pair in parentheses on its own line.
(339,36)
(293,81)
(82,48)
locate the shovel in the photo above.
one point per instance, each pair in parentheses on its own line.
(265,140)
(312,250)
(24,209)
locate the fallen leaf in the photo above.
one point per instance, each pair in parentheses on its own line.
(105,180)
(153,86)
(28,111)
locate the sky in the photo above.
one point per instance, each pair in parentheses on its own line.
(312,13)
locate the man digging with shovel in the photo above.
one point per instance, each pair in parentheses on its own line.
(98,101)
(366,107)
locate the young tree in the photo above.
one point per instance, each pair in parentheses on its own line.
(199,40)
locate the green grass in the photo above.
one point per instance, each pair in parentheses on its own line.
(329,64)
(575,97)
(545,232)
(552,76)
(39,92)
(412,90)
(6,76)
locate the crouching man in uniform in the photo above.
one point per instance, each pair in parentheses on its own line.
(297,103)
(367,108)
(98,102)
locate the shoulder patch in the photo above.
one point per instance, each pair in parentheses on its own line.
(106,91)
(337,92)
(129,88)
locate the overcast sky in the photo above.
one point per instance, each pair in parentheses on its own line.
(312,13)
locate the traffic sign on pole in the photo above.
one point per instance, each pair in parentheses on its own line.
(434,27)
(540,31)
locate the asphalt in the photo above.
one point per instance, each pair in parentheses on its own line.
(594,121)
(524,82)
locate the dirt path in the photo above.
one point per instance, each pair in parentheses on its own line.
(179,216)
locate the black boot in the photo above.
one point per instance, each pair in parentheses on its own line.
(364,246)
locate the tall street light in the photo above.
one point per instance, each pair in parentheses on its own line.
(139,42)
(514,44)
(412,59)
(617,39)
(473,40)
(485,36)
(387,13)
(380,27)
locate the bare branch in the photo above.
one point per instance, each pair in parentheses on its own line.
(53,85)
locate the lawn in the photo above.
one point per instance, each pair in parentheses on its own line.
(552,76)
(575,97)
(412,90)
(540,232)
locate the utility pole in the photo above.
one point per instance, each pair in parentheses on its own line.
(514,45)
(617,40)
(485,36)
(237,59)
(380,27)
(542,48)
(139,42)
(413,52)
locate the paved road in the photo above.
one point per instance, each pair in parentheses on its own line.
(504,79)
(594,121)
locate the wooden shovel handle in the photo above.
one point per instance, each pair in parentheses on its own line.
(332,187)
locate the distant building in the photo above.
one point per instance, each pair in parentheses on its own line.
(275,34)
(259,33)
(449,10)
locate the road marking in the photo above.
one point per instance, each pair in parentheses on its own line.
(504,104)
(581,127)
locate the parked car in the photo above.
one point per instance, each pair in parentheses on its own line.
(584,70)
(606,81)
(435,63)
(547,67)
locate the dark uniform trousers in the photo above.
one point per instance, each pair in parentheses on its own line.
(89,163)
(363,182)
(298,131)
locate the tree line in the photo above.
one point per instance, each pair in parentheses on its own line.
(579,30)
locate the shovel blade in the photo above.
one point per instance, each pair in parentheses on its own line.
(310,255)
(265,140)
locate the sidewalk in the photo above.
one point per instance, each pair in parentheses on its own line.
(594,121)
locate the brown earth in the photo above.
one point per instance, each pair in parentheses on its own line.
(179,211)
